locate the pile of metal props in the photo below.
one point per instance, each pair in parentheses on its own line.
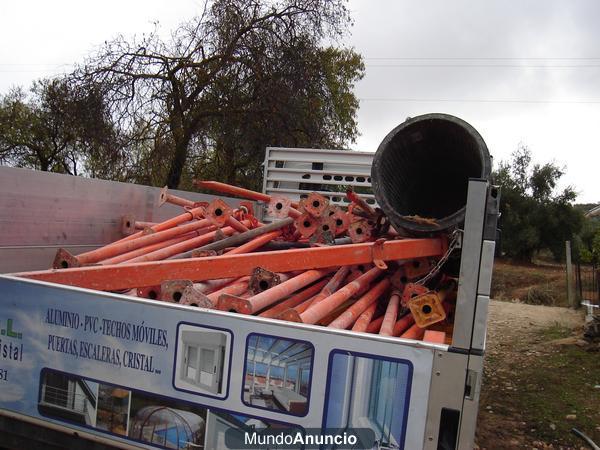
(315,263)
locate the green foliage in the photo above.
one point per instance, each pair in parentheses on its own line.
(588,244)
(534,216)
(55,128)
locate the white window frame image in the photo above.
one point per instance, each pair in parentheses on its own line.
(200,344)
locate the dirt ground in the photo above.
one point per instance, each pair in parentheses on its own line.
(540,380)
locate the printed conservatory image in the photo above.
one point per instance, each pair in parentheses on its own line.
(277,374)
(166,423)
(369,392)
(202,360)
(68,397)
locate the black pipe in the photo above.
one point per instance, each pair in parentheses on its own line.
(421,171)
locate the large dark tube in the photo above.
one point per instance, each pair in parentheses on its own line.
(421,171)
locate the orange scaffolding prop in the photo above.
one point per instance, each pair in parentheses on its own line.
(129,275)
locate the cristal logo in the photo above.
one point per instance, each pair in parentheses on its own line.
(8,349)
(9,332)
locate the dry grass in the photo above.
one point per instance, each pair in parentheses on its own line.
(537,284)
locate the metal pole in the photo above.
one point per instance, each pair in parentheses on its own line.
(244,193)
(128,275)
(266,298)
(318,311)
(570,296)
(350,316)
(244,237)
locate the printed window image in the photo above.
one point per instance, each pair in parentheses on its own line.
(68,397)
(113,409)
(368,392)
(161,422)
(202,360)
(278,373)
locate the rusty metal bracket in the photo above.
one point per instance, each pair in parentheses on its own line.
(325,233)
(279,206)
(151,292)
(192,296)
(262,279)
(165,197)
(315,204)
(378,255)
(427,309)
(412,290)
(306,225)
(342,220)
(128,224)
(360,231)
(64,260)
(172,290)
(198,211)
(249,207)
(218,212)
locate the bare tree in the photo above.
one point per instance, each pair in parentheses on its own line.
(239,61)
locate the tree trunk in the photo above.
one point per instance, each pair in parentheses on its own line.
(177,164)
(229,166)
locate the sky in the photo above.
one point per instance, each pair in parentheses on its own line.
(521,72)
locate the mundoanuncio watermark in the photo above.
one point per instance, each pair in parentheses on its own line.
(295,438)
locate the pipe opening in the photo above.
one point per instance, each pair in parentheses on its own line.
(422,168)
(177,296)
(64,264)
(263,285)
(426,309)
(152,295)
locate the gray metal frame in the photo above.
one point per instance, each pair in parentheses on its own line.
(292,172)
(456,381)
(43,211)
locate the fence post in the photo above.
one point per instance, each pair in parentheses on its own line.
(570,296)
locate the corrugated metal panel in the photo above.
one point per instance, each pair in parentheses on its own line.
(292,172)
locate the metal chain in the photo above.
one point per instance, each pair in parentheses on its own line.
(454,243)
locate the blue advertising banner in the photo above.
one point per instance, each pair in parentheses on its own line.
(161,375)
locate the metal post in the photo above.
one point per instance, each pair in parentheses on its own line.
(570,296)
(126,276)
